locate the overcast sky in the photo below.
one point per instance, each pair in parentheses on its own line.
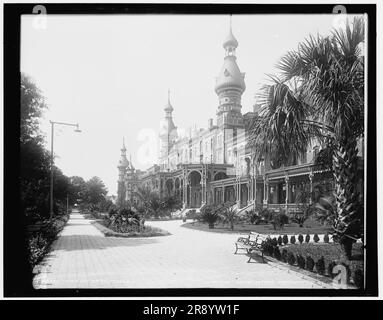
(111,74)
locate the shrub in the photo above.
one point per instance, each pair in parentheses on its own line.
(310,263)
(210,215)
(284,255)
(292,240)
(280,240)
(277,253)
(38,247)
(299,218)
(320,266)
(330,267)
(301,261)
(358,278)
(112,211)
(192,214)
(266,214)
(268,247)
(291,258)
(124,220)
(326,238)
(300,239)
(40,240)
(254,218)
(280,220)
(285,239)
(307,239)
(274,242)
(316,238)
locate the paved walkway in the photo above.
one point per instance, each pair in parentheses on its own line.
(83,258)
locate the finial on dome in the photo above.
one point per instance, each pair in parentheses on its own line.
(168,106)
(123,144)
(230,42)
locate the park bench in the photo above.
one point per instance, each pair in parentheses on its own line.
(253,242)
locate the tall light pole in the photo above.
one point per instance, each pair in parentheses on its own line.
(76,125)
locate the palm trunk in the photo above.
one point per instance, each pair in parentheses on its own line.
(346,195)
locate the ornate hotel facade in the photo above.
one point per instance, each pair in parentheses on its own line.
(215,164)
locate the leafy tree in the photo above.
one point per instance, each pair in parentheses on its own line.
(34,159)
(62,189)
(77,190)
(32,105)
(170,204)
(320,95)
(95,192)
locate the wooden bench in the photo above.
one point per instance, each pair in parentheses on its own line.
(253,242)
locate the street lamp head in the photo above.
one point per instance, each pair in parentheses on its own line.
(77,128)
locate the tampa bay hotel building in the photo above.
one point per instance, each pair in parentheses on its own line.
(214,165)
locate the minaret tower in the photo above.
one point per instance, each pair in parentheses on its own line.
(230,85)
(168,133)
(123,166)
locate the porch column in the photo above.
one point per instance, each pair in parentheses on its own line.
(311,176)
(255,192)
(223,194)
(249,191)
(186,190)
(265,191)
(203,189)
(239,192)
(287,192)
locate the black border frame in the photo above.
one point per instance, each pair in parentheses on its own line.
(17,280)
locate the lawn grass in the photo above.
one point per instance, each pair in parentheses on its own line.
(310,227)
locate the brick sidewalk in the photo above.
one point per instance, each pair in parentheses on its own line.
(83,258)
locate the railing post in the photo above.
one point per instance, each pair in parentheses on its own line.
(287,192)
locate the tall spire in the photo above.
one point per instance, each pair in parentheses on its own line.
(168,107)
(123,145)
(123,163)
(230,85)
(230,43)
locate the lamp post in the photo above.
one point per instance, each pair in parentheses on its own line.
(76,125)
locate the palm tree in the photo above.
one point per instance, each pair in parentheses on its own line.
(149,202)
(228,214)
(319,95)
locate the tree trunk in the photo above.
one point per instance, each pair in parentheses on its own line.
(348,220)
(211,225)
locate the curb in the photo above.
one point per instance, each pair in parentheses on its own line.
(323,281)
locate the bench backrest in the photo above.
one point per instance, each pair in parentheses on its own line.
(257,237)
(261,238)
